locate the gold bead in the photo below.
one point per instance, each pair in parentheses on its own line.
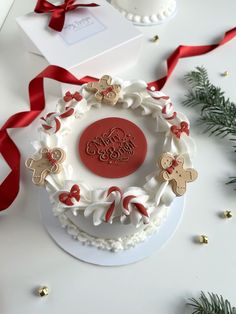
(203,239)
(225,73)
(43,291)
(155,38)
(228,214)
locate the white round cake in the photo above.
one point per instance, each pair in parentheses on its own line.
(146,12)
(112,157)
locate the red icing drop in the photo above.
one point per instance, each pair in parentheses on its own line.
(112,147)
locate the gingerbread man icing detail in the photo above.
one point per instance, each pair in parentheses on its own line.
(49,161)
(104,91)
(172,170)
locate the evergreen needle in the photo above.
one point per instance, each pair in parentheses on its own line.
(218,113)
(211,304)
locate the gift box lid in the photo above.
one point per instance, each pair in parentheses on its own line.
(87,33)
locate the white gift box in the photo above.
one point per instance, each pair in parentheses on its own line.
(93,41)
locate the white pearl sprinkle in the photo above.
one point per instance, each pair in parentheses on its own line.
(153,88)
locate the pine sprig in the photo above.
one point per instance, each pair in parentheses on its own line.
(211,304)
(218,113)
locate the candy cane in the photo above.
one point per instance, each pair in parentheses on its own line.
(168,112)
(129,202)
(115,192)
(52,123)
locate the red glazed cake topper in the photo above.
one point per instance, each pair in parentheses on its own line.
(112,147)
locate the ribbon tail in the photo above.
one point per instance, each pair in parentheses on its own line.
(189,51)
(90,5)
(9,188)
(57,20)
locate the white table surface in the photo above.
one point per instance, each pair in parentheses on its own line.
(161,283)
(5,8)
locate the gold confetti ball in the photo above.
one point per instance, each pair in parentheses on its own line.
(228,214)
(225,73)
(155,38)
(43,291)
(203,239)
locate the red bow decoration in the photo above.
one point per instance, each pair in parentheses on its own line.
(58,12)
(68,96)
(107,91)
(67,197)
(178,130)
(172,167)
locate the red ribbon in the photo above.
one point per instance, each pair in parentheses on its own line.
(10,186)
(67,197)
(188,51)
(58,12)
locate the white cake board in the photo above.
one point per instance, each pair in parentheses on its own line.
(96,256)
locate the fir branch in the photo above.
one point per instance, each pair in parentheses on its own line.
(211,304)
(218,113)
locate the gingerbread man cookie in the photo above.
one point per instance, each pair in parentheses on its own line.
(50,161)
(172,170)
(104,91)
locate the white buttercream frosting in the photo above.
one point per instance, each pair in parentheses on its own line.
(146,12)
(70,224)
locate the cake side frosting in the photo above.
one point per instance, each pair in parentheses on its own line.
(72,227)
(139,11)
(136,211)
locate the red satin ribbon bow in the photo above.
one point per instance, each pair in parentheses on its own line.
(68,96)
(58,12)
(67,197)
(172,167)
(178,130)
(9,188)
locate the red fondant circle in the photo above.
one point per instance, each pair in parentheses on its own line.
(112,147)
